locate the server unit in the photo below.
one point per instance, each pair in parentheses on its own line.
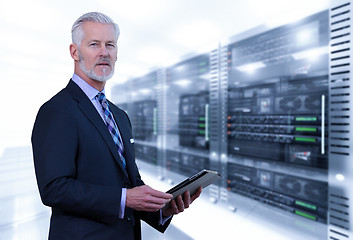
(277,85)
(187,116)
(144,119)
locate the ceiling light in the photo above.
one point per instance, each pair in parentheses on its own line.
(340,177)
(311,54)
(250,67)
(182,82)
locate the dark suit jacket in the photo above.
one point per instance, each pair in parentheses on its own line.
(79,172)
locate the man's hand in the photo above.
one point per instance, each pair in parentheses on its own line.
(181,202)
(145,198)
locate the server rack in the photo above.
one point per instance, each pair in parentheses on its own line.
(142,106)
(271,112)
(276,117)
(144,118)
(340,128)
(187,117)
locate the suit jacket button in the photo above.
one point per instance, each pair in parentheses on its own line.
(129,219)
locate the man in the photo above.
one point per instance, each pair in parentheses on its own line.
(84,152)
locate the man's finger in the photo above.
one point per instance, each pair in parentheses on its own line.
(196,194)
(180,204)
(153,207)
(156,200)
(159,194)
(186,199)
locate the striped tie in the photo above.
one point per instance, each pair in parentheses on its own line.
(112,127)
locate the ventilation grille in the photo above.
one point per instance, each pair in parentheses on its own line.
(161,118)
(224,95)
(214,120)
(214,100)
(339,119)
(218,96)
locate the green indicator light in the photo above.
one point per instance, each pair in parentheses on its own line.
(202,119)
(301,139)
(202,125)
(201,132)
(306,119)
(202,63)
(305,215)
(303,204)
(305,129)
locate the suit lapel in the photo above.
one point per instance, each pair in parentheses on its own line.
(93,116)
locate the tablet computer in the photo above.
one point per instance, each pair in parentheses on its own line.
(201,179)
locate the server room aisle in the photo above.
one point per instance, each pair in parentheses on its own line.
(24,217)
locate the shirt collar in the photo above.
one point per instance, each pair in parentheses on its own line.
(90,91)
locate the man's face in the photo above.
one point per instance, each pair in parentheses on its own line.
(98,51)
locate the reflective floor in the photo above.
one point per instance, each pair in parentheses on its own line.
(23,216)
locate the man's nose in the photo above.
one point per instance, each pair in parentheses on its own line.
(103,51)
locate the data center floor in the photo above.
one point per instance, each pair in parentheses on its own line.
(24,217)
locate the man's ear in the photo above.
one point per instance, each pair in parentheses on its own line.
(74,52)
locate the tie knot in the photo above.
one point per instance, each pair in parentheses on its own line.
(101,97)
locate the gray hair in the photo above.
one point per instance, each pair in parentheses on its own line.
(97,17)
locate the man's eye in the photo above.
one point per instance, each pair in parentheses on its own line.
(111,45)
(94,44)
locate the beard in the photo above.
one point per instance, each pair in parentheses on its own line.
(91,74)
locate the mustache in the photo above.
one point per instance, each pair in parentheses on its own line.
(103,61)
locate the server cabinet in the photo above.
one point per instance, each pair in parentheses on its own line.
(277,111)
(270,110)
(187,117)
(340,118)
(144,119)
